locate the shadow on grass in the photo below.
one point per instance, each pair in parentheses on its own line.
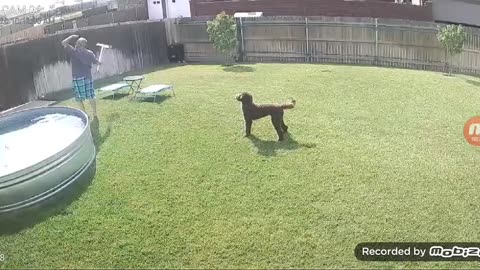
(98,138)
(154,69)
(117,96)
(474,83)
(238,69)
(270,148)
(65,94)
(13,223)
(158,99)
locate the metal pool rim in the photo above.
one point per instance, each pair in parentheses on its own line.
(55,157)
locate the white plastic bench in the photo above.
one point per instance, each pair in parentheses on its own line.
(114,88)
(155,90)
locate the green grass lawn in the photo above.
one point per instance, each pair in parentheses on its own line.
(374,155)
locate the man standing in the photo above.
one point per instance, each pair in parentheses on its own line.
(82,60)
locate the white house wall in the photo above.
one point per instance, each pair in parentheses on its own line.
(174,8)
(179,8)
(155,10)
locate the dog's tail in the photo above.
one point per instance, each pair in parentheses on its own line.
(290,105)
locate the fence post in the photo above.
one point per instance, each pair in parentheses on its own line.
(242,52)
(376,42)
(307,59)
(113,18)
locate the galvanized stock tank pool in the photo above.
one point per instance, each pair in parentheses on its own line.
(43,152)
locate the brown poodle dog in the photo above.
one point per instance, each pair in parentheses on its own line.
(252,111)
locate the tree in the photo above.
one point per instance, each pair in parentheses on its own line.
(452,38)
(222,31)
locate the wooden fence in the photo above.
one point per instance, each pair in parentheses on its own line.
(192,33)
(32,33)
(120,16)
(40,68)
(13,28)
(382,42)
(27,34)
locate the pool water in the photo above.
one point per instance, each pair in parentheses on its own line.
(42,138)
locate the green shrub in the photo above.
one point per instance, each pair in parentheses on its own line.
(223,33)
(452,38)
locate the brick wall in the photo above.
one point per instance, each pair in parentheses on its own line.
(335,8)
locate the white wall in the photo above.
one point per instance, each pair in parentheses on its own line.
(102,2)
(458,11)
(181,8)
(413,2)
(155,10)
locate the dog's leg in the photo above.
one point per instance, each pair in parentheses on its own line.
(284,127)
(277,123)
(248,127)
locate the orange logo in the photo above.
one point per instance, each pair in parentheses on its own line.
(471,131)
